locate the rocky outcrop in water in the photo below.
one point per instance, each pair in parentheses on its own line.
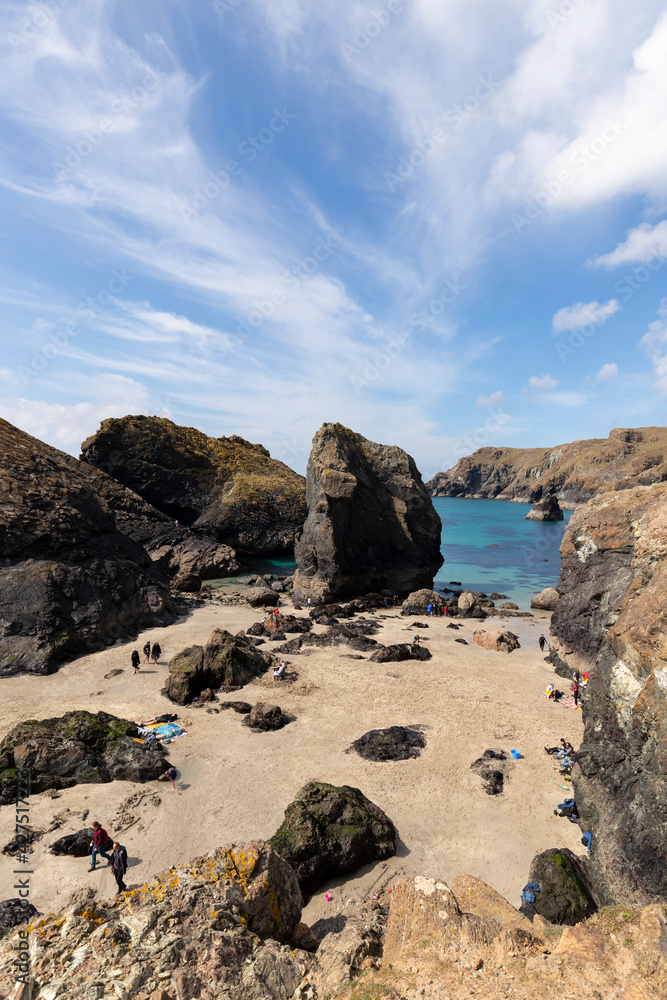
(70,580)
(77,748)
(330,831)
(575,472)
(610,620)
(371,525)
(224,487)
(546,509)
(226,660)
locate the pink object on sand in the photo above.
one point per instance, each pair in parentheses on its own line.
(327,896)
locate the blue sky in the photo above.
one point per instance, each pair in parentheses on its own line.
(441,224)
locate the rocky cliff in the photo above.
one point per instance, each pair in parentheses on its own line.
(70,580)
(575,472)
(225,487)
(371,523)
(611,620)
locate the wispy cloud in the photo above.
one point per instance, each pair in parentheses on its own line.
(495,399)
(582,313)
(642,244)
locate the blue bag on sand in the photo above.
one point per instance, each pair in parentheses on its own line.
(531,887)
(528,897)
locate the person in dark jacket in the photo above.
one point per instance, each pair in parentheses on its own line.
(156,652)
(98,844)
(119,865)
(136,660)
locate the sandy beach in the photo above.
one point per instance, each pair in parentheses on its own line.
(235,784)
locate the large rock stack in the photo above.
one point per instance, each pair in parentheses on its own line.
(225,487)
(371,523)
(610,619)
(71,580)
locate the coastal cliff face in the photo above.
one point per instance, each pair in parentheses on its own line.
(611,620)
(70,581)
(225,487)
(371,523)
(574,472)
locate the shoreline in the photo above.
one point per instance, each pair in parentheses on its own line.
(234,784)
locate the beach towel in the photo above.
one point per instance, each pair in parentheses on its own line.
(169,730)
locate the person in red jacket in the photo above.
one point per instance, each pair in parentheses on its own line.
(98,844)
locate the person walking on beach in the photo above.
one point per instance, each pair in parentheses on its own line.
(135,660)
(310,603)
(574,688)
(98,844)
(147,652)
(119,865)
(172,774)
(156,652)
(542,641)
(429,609)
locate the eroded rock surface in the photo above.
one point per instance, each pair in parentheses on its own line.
(565,895)
(225,487)
(394,743)
(70,580)
(610,619)
(332,830)
(500,640)
(546,600)
(225,660)
(371,523)
(400,651)
(546,509)
(77,748)
(491,768)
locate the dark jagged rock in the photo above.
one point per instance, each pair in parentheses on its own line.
(70,581)
(610,620)
(258,597)
(286,623)
(565,895)
(189,583)
(467,605)
(242,707)
(77,748)
(353,634)
(546,509)
(330,831)
(464,642)
(400,651)
(394,743)
(14,912)
(417,603)
(491,769)
(575,472)
(225,487)
(225,661)
(371,523)
(266,718)
(74,845)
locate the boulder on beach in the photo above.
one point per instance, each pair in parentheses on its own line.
(13,913)
(258,597)
(76,748)
(226,488)
(491,769)
(546,509)
(266,717)
(225,660)
(501,640)
(565,895)
(394,743)
(546,600)
(508,606)
(400,651)
(417,603)
(332,830)
(371,523)
(74,845)
(190,583)
(469,606)
(70,580)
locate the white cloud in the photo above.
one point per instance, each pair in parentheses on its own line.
(607,373)
(67,425)
(582,313)
(543,382)
(495,399)
(565,398)
(642,244)
(654,343)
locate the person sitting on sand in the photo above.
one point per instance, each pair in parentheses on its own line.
(279,672)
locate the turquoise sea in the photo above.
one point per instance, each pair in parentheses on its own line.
(488,545)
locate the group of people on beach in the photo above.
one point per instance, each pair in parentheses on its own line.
(117,860)
(150,653)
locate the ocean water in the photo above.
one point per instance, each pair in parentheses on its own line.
(487,544)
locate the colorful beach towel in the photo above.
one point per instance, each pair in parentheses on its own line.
(169,730)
